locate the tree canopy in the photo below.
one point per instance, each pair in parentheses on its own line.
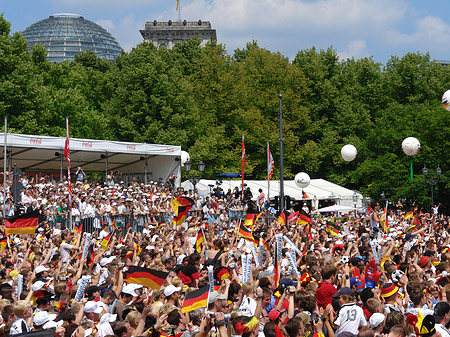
(205,99)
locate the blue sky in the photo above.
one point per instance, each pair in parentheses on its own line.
(355,28)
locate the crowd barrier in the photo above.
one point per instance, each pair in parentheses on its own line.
(122,222)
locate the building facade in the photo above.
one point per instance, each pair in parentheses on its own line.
(168,34)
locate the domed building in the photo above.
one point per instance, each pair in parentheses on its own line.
(65,35)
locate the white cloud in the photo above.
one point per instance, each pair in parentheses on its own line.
(107,24)
(356,49)
(127,33)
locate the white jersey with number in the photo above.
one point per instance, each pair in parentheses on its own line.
(349,319)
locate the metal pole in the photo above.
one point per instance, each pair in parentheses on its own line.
(4,167)
(432,195)
(280,96)
(268,174)
(106,165)
(61,168)
(145,171)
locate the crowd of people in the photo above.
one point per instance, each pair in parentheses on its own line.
(333,275)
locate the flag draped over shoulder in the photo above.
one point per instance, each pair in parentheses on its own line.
(199,241)
(196,299)
(181,206)
(149,278)
(22,224)
(282,218)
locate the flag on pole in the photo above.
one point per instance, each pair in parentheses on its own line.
(242,165)
(22,224)
(149,278)
(384,220)
(270,162)
(294,216)
(282,218)
(303,219)
(250,219)
(67,155)
(199,241)
(178,4)
(196,299)
(245,233)
(181,206)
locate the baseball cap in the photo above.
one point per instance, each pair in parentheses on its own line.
(344,291)
(106,260)
(275,313)
(355,259)
(215,296)
(40,269)
(38,285)
(410,236)
(376,319)
(355,282)
(440,309)
(42,317)
(108,318)
(170,289)
(92,306)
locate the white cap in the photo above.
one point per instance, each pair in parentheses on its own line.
(92,306)
(128,289)
(53,324)
(108,318)
(38,285)
(43,317)
(106,260)
(40,269)
(170,289)
(376,319)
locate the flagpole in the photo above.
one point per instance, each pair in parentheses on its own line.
(242,166)
(4,167)
(179,11)
(268,173)
(69,178)
(280,97)
(237,232)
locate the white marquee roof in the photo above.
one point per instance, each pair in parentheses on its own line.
(38,153)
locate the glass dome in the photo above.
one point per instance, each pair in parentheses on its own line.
(65,35)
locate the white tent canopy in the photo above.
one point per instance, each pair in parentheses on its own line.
(43,154)
(318,190)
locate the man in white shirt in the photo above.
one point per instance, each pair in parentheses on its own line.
(66,247)
(442,317)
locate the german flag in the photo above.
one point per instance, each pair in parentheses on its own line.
(417,222)
(333,229)
(250,219)
(384,221)
(293,216)
(22,224)
(409,215)
(78,229)
(265,244)
(90,256)
(3,243)
(105,242)
(246,233)
(303,219)
(138,249)
(276,267)
(149,278)
(181,207)
(199,241)
(282,218)
(196,299)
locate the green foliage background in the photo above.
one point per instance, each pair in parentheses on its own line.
(204,100)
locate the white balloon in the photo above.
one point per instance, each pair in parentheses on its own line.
(348,152)
(410,146)
(302,179)
(446,100)
(184,157)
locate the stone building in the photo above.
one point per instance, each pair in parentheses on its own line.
(168,34)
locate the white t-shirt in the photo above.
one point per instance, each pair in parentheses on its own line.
(64,251)
(19,326)
(442,330)
(350,317)
(248,307)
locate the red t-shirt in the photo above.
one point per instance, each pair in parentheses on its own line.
(324,294)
